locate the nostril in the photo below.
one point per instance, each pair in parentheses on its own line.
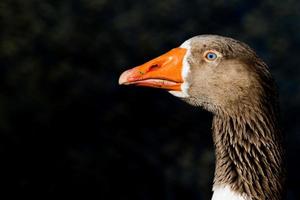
(153,67)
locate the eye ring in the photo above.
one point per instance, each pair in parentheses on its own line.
(211,56)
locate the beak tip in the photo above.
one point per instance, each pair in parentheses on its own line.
(124,78)
(121,80)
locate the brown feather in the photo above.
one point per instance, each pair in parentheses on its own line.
(241,93)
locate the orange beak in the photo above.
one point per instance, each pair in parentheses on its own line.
(161,72)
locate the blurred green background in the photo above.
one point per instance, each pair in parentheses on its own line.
(68,127)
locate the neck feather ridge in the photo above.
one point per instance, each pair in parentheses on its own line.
(249,154)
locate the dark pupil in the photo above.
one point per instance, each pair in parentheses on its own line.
(210,56)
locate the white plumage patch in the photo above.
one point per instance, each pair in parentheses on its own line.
(185,72)
(225,193)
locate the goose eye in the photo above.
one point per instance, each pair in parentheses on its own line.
(211,56)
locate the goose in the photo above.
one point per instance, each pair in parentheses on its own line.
(226,77)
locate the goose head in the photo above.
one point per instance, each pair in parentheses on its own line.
(227,78)
(211,71)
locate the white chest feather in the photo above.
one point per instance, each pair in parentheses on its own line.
(225,193)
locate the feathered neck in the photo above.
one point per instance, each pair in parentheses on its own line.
(249,156)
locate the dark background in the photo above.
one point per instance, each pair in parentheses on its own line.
(68,127)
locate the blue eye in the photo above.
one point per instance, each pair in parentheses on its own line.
(211,56)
